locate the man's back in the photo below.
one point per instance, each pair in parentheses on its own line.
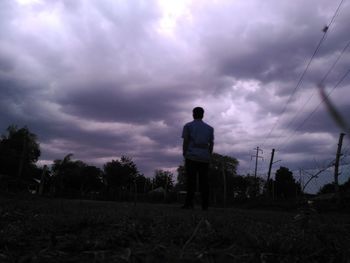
(200,137)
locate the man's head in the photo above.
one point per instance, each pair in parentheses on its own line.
(198,113)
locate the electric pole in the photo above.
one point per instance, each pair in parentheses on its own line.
(270,166)
(269,172)
(257,156)
(336,166)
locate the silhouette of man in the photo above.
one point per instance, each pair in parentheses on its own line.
(198,143)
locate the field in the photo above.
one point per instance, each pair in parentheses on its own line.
(50,230)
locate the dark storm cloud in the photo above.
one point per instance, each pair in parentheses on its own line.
(6,63)
(118,104)
(323,121)
(102,79)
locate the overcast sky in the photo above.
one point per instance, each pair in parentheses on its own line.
(106,78)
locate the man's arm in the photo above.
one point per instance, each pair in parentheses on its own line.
(186,140)
(185,146)
(211,143)
(211,147)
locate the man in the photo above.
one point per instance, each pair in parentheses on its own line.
(198,143)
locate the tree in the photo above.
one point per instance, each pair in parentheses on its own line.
(245,187)
(163,179)
(285,185)
(181,178)
(19,151)
(222,170)
(143,184)
(120,175)
(240,187)
(327,189)
(330,188)
(91,179)
(45,180)
(67,175)
(346,186)
(254,186)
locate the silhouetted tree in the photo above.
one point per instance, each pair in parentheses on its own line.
(19,151)
(330,188)
(244,187)
(346,186)
(327,188)
(255,186)
(181,179)
(163,179)
(221,166)
(120,175)
(45,180)
(143,184)
(285,186)
(67,175)
(269,188)
(91,179)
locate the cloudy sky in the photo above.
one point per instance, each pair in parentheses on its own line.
(106,78)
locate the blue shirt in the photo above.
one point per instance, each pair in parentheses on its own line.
(199,135)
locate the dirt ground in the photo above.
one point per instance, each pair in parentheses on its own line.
(36,229)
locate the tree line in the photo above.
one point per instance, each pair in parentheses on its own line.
(120,179)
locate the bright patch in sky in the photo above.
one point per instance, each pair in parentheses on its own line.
(28,2)
(173,10)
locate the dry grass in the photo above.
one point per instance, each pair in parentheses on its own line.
(43,230)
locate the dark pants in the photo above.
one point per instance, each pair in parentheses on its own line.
(193,169)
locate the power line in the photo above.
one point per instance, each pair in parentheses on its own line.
(335,63)
(313,112)
(346,148)
(321,83)
(295,88)
(325,30)
(336,13)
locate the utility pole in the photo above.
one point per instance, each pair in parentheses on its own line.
(336,166)
(257,156)
(269,172)
(225,186)
(296,185)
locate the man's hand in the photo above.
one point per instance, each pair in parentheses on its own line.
(184,147)
(211,147)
